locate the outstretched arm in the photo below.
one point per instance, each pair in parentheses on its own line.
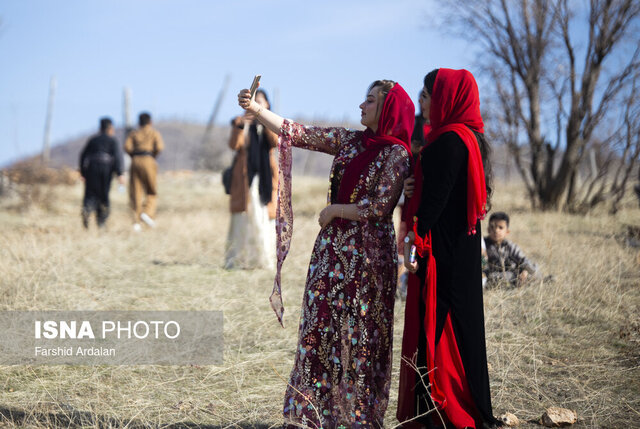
(327,140)
(266,117)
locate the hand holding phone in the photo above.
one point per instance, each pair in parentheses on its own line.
(243,100)
(254,85)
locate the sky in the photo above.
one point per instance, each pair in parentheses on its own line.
(316,59)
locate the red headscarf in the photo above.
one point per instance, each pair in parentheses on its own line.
(394,127)
(455,106)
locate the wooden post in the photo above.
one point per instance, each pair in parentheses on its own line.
(47,125)
(216,108)
(126,108)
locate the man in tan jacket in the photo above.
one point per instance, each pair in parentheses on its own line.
(143,145)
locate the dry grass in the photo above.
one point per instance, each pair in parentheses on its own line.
(573,343)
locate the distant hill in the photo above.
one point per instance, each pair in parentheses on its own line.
(184,150)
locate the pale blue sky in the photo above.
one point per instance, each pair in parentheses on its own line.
(173,55)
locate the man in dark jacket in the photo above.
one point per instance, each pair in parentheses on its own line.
(99,159)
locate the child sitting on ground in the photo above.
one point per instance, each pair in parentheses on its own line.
(506,265)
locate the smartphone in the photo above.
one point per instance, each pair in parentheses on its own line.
(412,254)
(254,85)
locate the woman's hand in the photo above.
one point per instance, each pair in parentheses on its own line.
(523,277)
(255,111)
(412,267)
(238,121)
(246,102)
(248,117)
(409,185)
(326,215)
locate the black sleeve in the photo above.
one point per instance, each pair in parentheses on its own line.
(118,164)
(441,163)
(83,155)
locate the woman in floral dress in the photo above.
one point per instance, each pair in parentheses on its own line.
(342,367)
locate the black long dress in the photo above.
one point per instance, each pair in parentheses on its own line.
(443,211)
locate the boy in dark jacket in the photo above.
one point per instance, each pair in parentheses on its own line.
(507,264)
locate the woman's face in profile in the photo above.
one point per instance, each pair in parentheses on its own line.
(425,103)
(369,109)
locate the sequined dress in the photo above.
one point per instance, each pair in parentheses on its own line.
(342,368)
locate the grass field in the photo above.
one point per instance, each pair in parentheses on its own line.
(573,343)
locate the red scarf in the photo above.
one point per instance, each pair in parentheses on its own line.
(394,127)
(455,106)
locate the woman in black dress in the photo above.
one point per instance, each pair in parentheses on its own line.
(444,318)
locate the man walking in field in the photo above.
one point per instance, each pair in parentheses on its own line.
(100,158)
(143,145)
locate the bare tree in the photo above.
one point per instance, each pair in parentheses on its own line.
(630,147)
(564,113)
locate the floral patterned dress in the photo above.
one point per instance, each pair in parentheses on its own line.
(342,368)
